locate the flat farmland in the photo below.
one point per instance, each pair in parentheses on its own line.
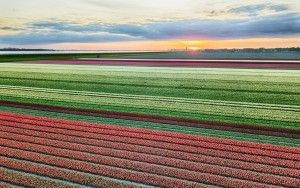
(150,123)
(247,63)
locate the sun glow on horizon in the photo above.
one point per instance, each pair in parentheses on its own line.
(194,48)
(195,45)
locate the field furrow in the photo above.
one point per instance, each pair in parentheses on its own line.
(65,174)
(176,147)
(111,146)
(33,180)
(156,138)
(192,166)
(187,139)
(100,169)
(150,123)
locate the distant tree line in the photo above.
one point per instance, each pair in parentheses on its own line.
(24,49)
(255,50)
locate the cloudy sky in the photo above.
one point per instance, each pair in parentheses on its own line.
(149,25)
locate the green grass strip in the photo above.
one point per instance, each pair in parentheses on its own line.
(248,96)
(253,85)
(166,105)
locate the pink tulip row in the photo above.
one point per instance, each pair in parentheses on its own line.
(6,184)
(98,169)
(142,150)
(271,160)
(63,173)
(137,167)
(127,164)
(29,180)
(124,148)
(181,164)
(158,133)
(165,139)
(172,168)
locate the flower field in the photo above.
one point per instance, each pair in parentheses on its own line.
(122,123)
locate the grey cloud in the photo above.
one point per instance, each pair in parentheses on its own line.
(58,31)
(10,28)
(279,8)
(253,10)
(66,26)
(279,25)
(50,38)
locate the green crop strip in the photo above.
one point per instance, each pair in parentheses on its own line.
(248,96)
(274,87)
(93,102)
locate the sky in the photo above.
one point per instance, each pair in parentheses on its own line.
(149,25)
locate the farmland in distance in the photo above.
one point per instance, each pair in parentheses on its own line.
(150,122)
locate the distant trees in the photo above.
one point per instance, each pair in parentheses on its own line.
(24,49)
(255,50)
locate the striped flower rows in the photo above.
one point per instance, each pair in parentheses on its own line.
(137,126)
(154,169)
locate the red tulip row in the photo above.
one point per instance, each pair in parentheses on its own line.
(29,180)
(99,169)
(192,143)
(180,170)
(144,167)
(63,173)
(92,144)
(273,160)
(38,120)
(193,176)
(6,185)
(199,167)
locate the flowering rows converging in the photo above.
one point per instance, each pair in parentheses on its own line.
(100,124)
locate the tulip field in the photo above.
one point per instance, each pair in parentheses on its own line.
(149,123)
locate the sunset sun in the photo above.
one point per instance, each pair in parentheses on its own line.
(194,45)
